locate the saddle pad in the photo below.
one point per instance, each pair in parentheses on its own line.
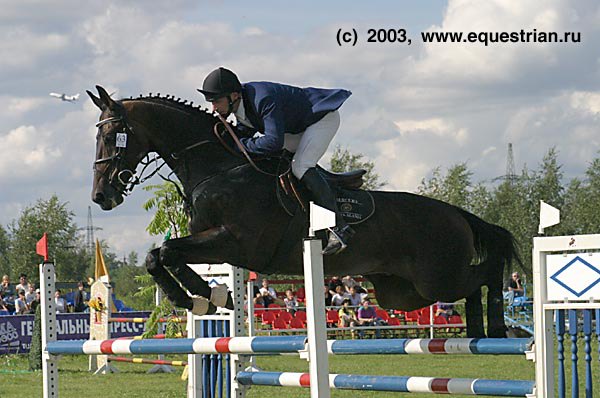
(356,206)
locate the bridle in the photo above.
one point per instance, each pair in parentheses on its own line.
(127,178)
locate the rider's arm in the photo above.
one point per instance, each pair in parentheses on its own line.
(272,140)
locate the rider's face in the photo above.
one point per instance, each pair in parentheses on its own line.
(221,105)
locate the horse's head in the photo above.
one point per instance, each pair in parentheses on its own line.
(118,152)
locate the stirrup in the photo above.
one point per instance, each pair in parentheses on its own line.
(337,240)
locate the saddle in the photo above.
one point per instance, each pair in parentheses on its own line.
(355,205)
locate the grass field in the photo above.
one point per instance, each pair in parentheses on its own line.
(132,381)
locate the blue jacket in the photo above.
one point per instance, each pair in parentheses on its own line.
(276,109)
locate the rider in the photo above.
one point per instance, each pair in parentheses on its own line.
(300,120)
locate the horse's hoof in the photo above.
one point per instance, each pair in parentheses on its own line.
(219,295)
(201,305)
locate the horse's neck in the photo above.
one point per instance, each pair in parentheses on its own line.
(171,132)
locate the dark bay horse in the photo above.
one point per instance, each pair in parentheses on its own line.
(415,250)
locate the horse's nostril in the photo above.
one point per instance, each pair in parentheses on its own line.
(98,198)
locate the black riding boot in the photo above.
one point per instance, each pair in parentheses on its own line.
(324,197)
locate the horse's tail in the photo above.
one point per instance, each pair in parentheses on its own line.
(492,241)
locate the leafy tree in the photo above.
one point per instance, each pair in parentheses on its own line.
(343,160)
(53,217)
(169,211)
(454,188)
(4,249)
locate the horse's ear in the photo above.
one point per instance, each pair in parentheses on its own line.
(105,97)
(96,100)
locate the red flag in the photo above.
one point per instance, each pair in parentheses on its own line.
(41,247)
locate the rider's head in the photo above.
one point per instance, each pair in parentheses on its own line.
(223,89)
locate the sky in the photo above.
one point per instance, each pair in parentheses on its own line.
(414,107)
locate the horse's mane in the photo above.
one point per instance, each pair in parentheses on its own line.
(171,102)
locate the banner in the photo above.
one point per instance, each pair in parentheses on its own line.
(16,330)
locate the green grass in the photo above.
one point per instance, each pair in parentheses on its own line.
(132,381)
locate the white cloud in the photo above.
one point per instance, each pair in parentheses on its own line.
(436,126)
(26,151)
(413,108)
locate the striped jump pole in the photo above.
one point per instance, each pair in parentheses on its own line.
(214,345)
(147,361)
(504,388)
(430,346)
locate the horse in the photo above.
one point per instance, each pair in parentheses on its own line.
(415,250)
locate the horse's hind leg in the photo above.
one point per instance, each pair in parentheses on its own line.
(474,315)
(495,302)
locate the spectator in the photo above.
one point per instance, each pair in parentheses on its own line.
(328,296)
(367,316)
(334,283)
(340,295)
(349,282)
(347,316)
(21,306)
(445,309)
(258,299)
(268,290)
(291,304)
(355,297)
(30,295)
(515,288)
(3,306)
(36,302)
(61,304)
(6,289)
(80,295)
(23,284)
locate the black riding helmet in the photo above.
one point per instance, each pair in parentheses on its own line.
(219,83)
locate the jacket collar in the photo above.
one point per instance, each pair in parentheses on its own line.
(248,95)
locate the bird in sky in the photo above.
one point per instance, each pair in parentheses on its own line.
(64,97)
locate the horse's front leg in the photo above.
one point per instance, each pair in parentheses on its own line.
(215,245)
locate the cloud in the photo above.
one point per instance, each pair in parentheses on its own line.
(25,151)
(413,107)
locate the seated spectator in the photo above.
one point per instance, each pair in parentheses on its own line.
(445,309)
(333,284)
(258,299)
(515,288)
(30,295)
(355,297)
(3,306)
(340,295)
(21,306)
(291,304)
(348,282)
(267,290)
(347,316)
(6,289)
(36,302)
(79,301)
(23,284)
(61,303)
(367,316)
(328,296)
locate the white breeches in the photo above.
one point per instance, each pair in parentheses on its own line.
(310,145)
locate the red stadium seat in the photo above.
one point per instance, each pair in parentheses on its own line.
(268,318)
(301,295)
(301,315)
(297,323)
(286,316)
(279,324)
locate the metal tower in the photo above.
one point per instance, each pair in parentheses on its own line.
(510,176)
(90,241)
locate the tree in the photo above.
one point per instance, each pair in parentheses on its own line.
(343,160)
(4,250)
(53,217)
(169,211)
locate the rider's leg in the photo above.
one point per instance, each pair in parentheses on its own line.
(311,147)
